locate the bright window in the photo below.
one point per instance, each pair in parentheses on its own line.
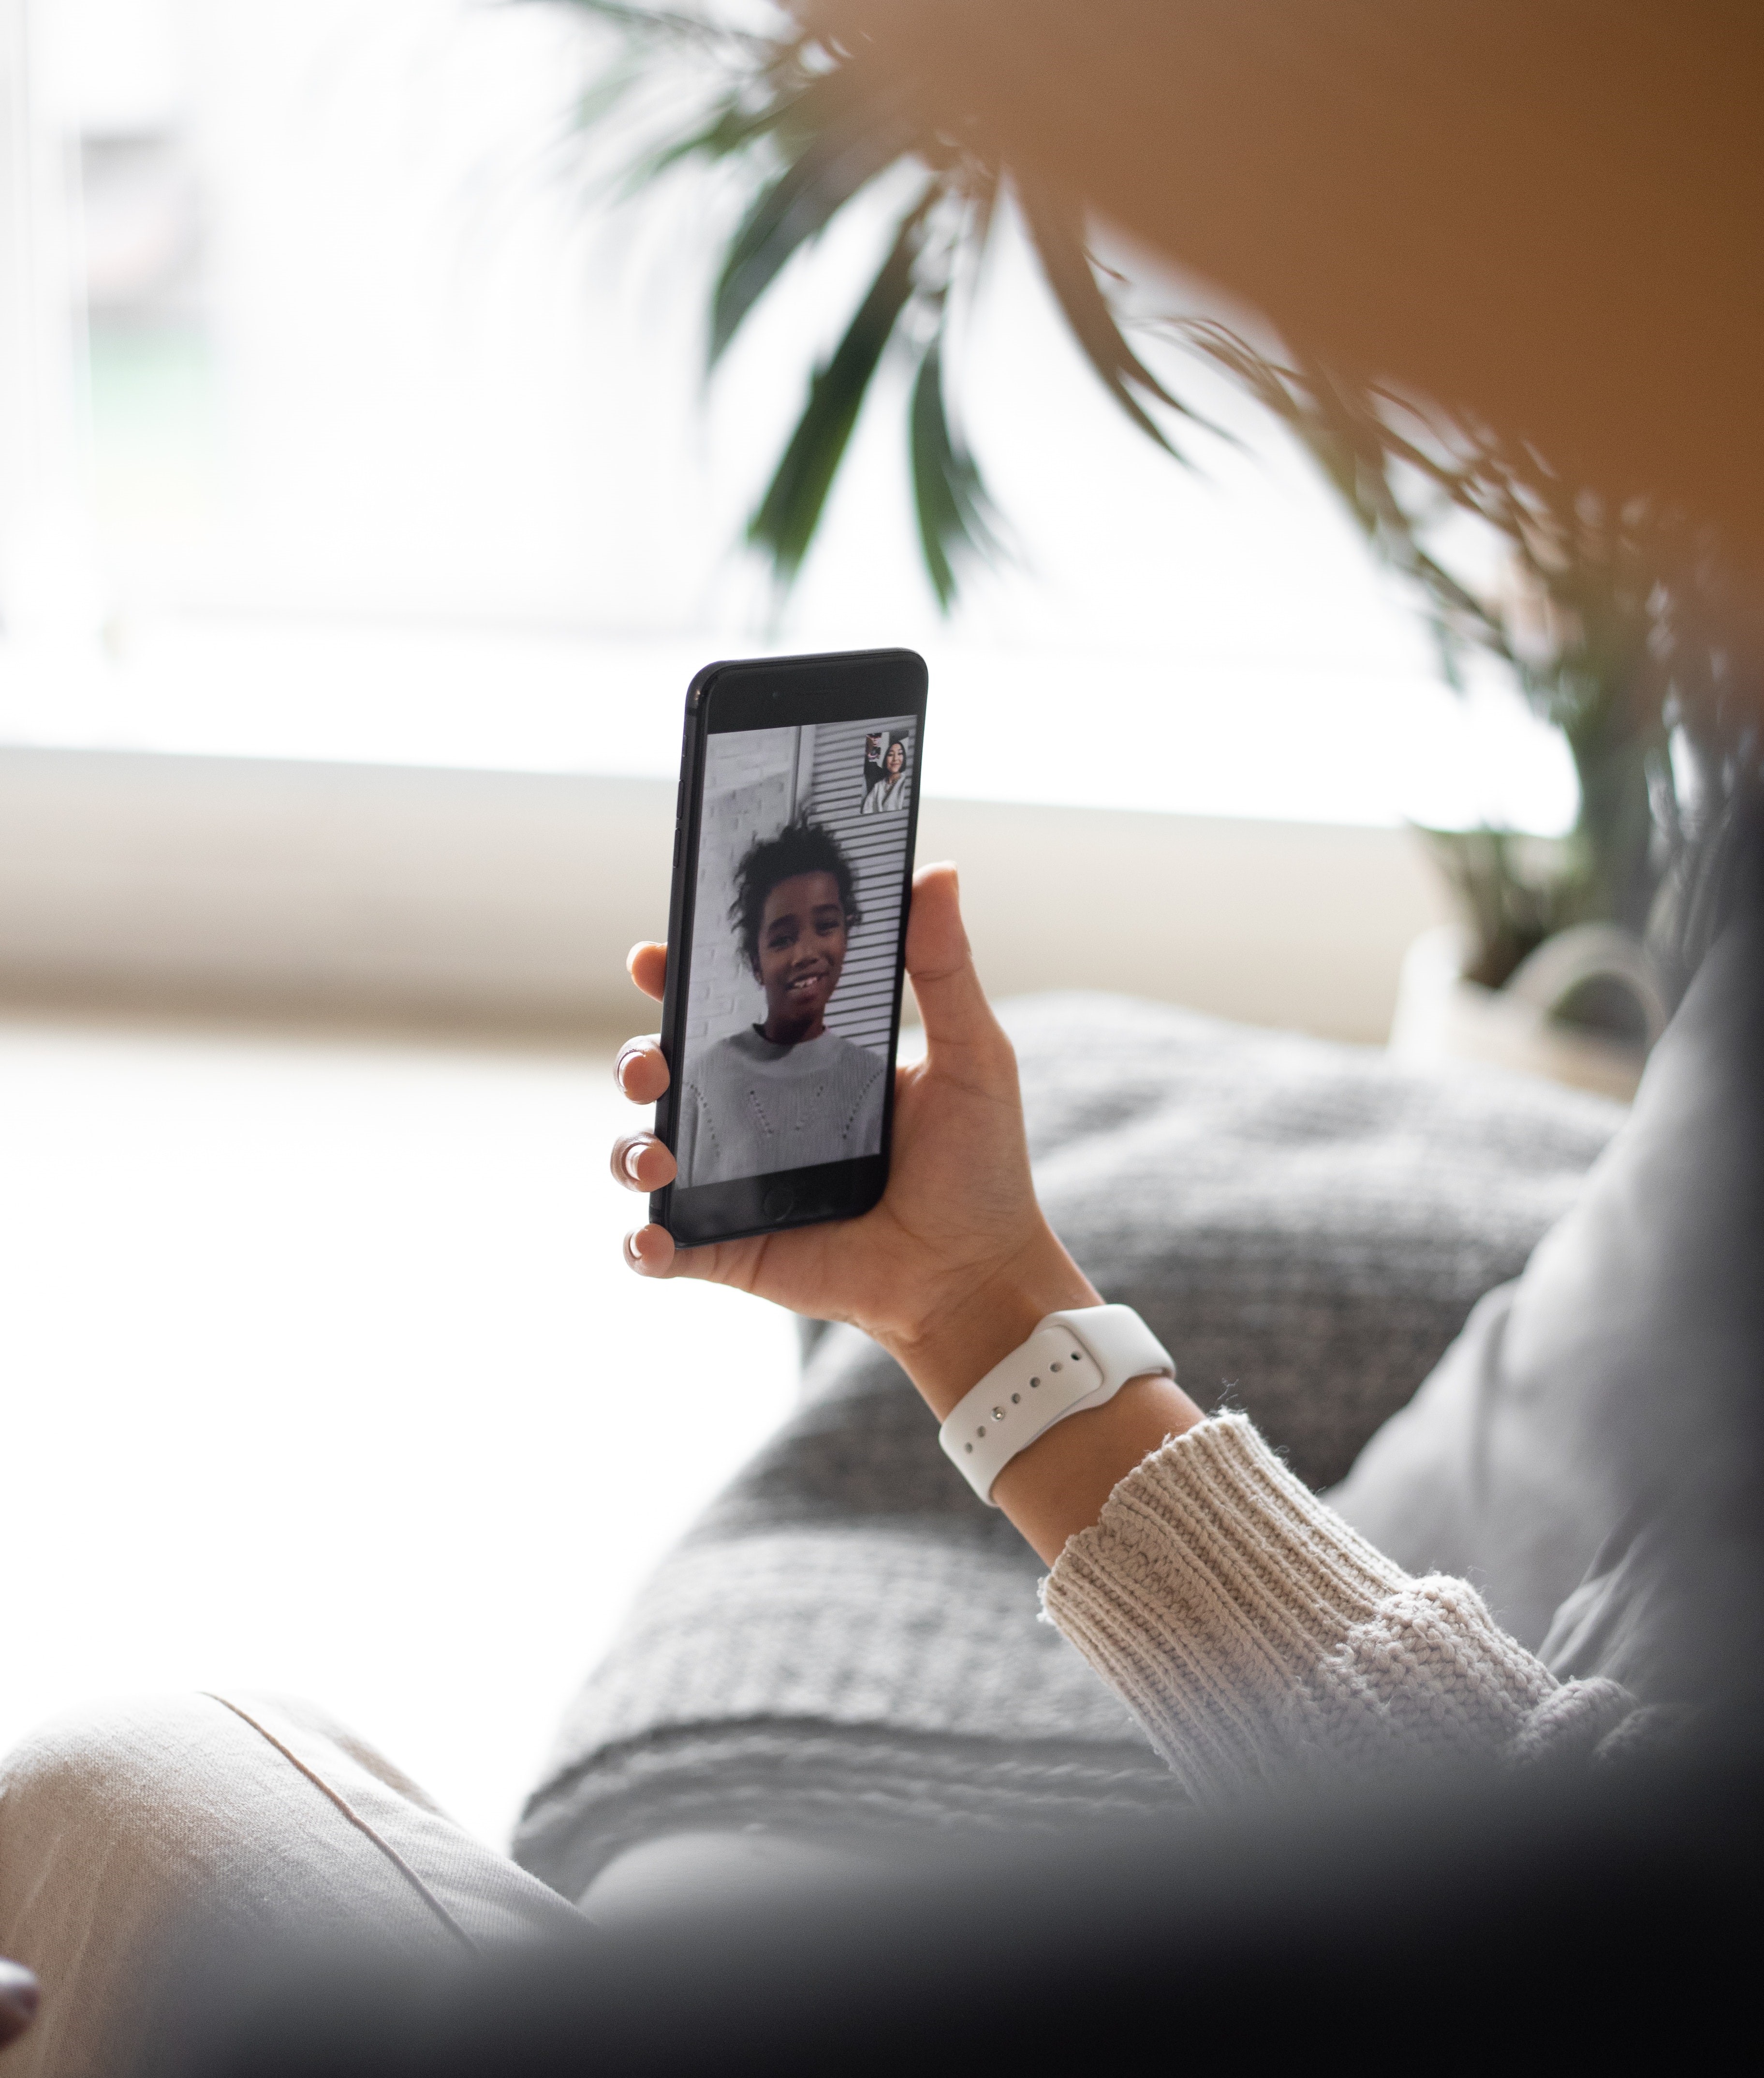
(346,418)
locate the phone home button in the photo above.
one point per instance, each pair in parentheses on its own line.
(778,1202)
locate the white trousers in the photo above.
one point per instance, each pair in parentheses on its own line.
(143,1830)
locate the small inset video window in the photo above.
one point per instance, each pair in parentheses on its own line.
(888,764)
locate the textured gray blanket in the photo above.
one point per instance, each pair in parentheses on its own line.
(848,1641)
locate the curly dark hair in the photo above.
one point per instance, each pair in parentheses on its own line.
(802,846)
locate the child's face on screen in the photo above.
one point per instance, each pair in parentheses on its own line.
(802,944)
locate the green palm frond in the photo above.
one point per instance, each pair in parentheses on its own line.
(790,512)
(645,26)
(1350,436)
(1058,236)
(954,513)
(732,128)
(1605,669)
(851,138)
(812,129)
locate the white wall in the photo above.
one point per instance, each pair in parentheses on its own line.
(274,888)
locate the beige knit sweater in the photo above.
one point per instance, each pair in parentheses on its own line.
(1257,1637)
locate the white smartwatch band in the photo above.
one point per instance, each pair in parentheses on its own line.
(1073,1361)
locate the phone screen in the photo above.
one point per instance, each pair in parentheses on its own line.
(790,900)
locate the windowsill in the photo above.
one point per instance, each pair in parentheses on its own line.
(448,827)
(1280,740)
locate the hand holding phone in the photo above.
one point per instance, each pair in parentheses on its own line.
(781,1116)
(956,1263)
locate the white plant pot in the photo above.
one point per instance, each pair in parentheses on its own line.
(1440,1016)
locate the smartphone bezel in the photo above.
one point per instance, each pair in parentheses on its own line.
(777,692)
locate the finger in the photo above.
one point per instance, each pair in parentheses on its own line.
(647,964)
(952,1004)
(641,1070)
(650,1252)
(642,1163)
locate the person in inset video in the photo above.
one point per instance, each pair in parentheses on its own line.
(888,792)
(786,1093)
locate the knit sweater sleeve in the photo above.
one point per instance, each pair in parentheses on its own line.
(1257,1637)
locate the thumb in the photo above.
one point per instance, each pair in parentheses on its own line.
(940,961)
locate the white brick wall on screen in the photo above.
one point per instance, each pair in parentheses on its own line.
(876,847)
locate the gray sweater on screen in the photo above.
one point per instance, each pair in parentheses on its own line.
(750,1108)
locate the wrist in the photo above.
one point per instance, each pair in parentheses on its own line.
(955,1347)
(1062,1482)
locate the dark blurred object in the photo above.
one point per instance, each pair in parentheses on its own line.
(1441,1924)
(18,2000)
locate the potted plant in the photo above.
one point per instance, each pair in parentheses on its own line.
(1599,616)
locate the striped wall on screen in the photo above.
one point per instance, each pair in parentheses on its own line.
(863,1003)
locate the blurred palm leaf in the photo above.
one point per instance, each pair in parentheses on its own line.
(954,511)
(1578,623)
(788,514)
(851,138)
(811,129)
(1354,444)
(1058,236)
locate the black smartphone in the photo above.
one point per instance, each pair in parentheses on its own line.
(793,842)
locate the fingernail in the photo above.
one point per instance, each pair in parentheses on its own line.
(631,1255)
(632,1155)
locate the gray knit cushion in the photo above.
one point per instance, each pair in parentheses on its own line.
(848,1640)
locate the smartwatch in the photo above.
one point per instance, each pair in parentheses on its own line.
(1074,1361)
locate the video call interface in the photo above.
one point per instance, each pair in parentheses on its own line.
(802,858)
